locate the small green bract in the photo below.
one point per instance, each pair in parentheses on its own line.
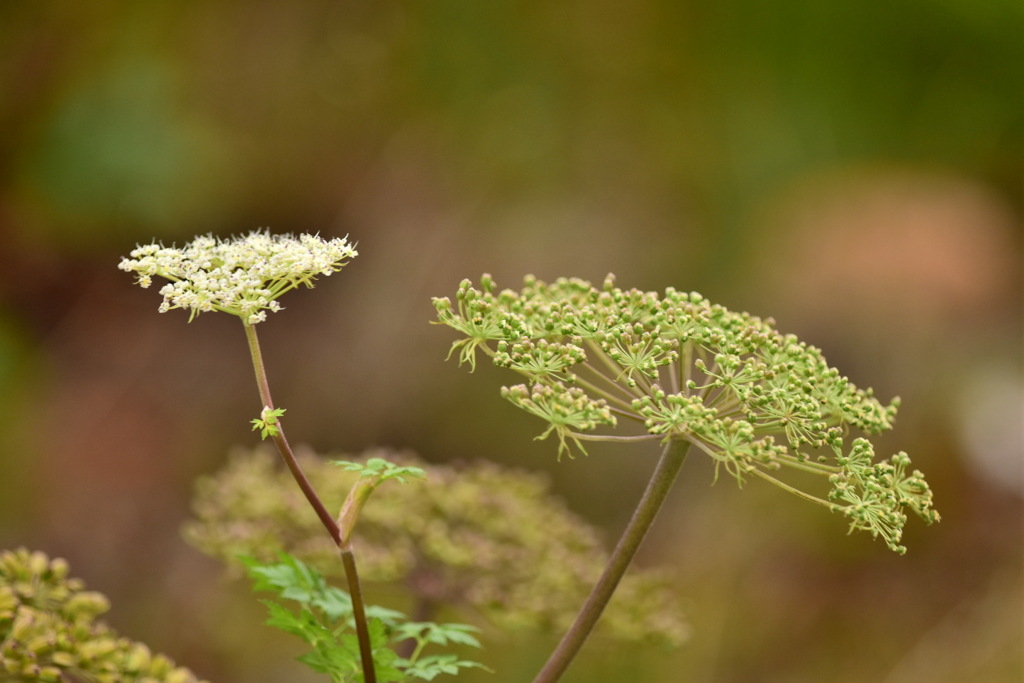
(641,366)
(267,422)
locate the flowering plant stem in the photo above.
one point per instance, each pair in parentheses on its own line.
(347,556)
(661,481)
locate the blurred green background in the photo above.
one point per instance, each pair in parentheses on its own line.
(852,169)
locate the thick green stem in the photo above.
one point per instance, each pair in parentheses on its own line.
(348,559)
(643,517)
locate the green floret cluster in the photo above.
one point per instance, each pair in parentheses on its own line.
(475,536)
(638,365)
(49,631)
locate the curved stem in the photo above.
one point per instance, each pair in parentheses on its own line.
(808,465)
(643,517)
(347,556)
(581,436)
(282,443)
(792,489)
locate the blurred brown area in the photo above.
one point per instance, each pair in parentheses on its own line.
(853,170)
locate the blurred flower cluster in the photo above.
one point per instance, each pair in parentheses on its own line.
(48,629)
(475,535)
(680,368)
(242,276)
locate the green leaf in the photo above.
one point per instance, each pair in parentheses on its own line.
(437,634)
(430,667)
(371,475)
(303,624)
(381,469)
(336,659)
(389,617)
(324,621)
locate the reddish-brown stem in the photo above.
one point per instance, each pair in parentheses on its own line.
(347,556)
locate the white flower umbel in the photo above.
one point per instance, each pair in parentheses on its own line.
(243,276)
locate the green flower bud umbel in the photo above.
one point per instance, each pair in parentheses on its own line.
(627,365)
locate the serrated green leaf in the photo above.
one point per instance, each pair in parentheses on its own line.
(302,624)
(324,621)
(437,634)
(390,617)
(381,469)
(430,667)
(454,633)
(333,659)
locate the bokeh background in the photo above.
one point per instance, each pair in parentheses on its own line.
(852,169)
